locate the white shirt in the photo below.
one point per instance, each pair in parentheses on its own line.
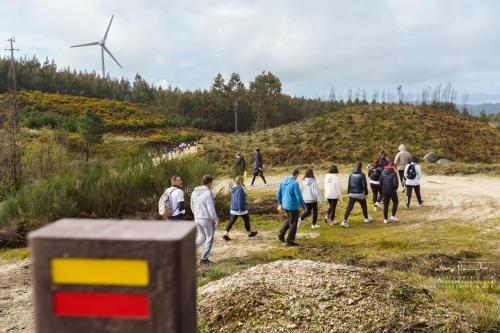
(176,196)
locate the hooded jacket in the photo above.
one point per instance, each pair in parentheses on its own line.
(332,186)
(288,195)
(416,181)
(389,181)
(310,191)
(240,164)
(357,183)
(238,199)
(402,158)
(202,204)
(257,161)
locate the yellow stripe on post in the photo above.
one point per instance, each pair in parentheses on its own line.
(118,272)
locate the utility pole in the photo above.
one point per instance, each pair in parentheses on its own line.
(235,106)
(15,155)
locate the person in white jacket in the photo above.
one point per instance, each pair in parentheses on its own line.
(205,216)
(311,195)
(333,193)
(413,175)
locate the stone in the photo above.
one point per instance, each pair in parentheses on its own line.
(431,157)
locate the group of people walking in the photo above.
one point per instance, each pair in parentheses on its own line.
(291,196)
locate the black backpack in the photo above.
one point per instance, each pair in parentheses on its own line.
(375,173)
(411,173)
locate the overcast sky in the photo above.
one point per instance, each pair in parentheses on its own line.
(310,45)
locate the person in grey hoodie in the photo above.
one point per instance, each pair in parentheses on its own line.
(402,159)
(205,216)
(311,195)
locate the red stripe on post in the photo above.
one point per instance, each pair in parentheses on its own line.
(101,304)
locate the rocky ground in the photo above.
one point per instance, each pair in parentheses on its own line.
(276,297)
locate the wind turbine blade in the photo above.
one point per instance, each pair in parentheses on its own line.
(107,51)
(88,44)
(107,30)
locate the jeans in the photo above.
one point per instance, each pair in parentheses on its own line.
(350,206)
(312,206)
(205,234)
(331,209)
(377,192)
(290,225)
(233,218)
(395,201)
(409,189)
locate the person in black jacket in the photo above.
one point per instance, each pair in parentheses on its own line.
(389,183)
(240,165)
(258,166)
(357,190)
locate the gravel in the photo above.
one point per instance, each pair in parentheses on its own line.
(310,296)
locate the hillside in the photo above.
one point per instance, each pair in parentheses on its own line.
(359,132)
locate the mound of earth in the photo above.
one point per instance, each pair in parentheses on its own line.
(309,296)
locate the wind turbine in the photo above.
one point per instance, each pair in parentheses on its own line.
(102,44)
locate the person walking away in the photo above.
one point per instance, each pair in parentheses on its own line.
(289,198)
(383,160)
(389,183)
(311,195)
(205,216)
(176,195)
(413,175)
(238,209)
(258,166)
(374,173)
(357,190)
(333,193)
(240,165)
(402,159)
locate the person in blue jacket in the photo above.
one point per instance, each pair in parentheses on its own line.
(238,208)
(289,198)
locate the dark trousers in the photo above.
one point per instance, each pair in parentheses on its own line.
(377,192)
(233,218)
(258,173)
(332,208)
(290,225)
(409,189)
(176,218)
(350,206)
(402,177)
(313,206)
(395,201)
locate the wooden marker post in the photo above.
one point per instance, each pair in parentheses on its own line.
(114,276)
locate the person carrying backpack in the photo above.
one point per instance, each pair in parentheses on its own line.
(333,193)
(289,198)
(238,209)
(311,195)
(205,216)
(402,159)
(258,166)
(171,204)
(374,173)
(357,190)
(389,184)
(413,175)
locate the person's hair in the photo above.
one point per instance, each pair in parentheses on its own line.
(414,159)
(333,169)
(239,180)
(359,165)
(257,149)
(309,173)
(376,163)
(402,147)
(238,154)
(295,172)
(173,179)
(206,179)
(382,152)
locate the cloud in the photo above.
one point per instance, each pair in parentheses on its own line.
(310,45)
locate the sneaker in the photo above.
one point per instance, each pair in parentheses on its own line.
(252,234)
(281,238)
(206,262)
(326,218)
(315,226)
(345,224)
(377,204)
(368,220)
(421,204)
(375,208)
(407,206)
(333,222)
(386,221)
(291,244)
(226,238)
(394,218)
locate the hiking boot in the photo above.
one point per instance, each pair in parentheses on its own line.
(226,238)
(206,262)
(252,234)
(394,218)
(368,220)
(344,224)
(291,244)
(281,238)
